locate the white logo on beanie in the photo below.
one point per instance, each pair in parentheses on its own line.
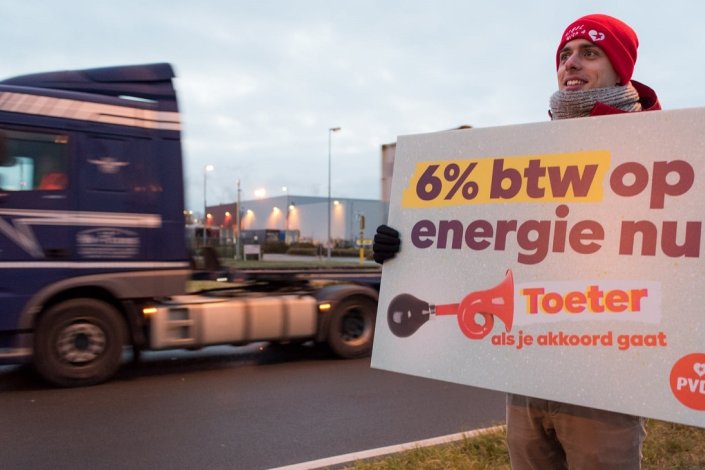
(573,32)
(596,35)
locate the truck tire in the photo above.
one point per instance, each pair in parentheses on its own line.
(352,327)
(79,342)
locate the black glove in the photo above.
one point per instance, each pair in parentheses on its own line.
(386,244)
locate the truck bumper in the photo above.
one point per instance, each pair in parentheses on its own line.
(19,352)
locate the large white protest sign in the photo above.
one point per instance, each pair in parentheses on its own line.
(563,260)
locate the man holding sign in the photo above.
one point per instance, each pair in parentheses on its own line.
(595,60)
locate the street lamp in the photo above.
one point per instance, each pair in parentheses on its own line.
(238,222)
(206,169)
(330,132)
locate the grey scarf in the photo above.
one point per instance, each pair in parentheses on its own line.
(573,104)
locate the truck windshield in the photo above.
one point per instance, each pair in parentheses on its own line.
(34,162)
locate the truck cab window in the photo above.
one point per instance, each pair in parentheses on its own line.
(34,162)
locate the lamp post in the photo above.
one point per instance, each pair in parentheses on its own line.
(330,132)
(238,245)
(206,169)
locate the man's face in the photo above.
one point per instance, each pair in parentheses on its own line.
(583,66)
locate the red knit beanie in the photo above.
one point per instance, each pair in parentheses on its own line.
(613,36)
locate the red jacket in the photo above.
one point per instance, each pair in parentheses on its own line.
(647,98)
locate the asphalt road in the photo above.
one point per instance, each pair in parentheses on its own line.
(253,407)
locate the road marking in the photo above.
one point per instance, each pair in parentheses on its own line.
(368,454)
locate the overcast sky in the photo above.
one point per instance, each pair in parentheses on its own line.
(260,82)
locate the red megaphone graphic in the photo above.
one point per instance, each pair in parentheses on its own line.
(406,313)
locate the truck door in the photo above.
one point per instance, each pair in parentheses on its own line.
(35,213)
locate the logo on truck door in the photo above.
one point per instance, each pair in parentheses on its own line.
(107,243)
(108,165)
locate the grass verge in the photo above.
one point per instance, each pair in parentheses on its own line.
(667,446)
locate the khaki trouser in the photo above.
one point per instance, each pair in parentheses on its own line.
(548,435)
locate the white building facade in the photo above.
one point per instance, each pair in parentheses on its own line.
(304,218)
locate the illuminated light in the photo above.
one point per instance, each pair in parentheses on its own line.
(275,209)
(250,212)
(222,279)
(325,307)
(227,213)
(336,202)
(260,193)
(148,311)
(292,207)
(209,216)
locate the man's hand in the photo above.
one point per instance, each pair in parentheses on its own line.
(386,244)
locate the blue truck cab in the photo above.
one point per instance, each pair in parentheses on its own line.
(91,199)
(93,255)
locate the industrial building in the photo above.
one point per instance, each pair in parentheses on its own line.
(291,219)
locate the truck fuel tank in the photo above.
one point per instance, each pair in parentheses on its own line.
(194,321)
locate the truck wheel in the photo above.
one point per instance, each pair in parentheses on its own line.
(352,327)
(79,342)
